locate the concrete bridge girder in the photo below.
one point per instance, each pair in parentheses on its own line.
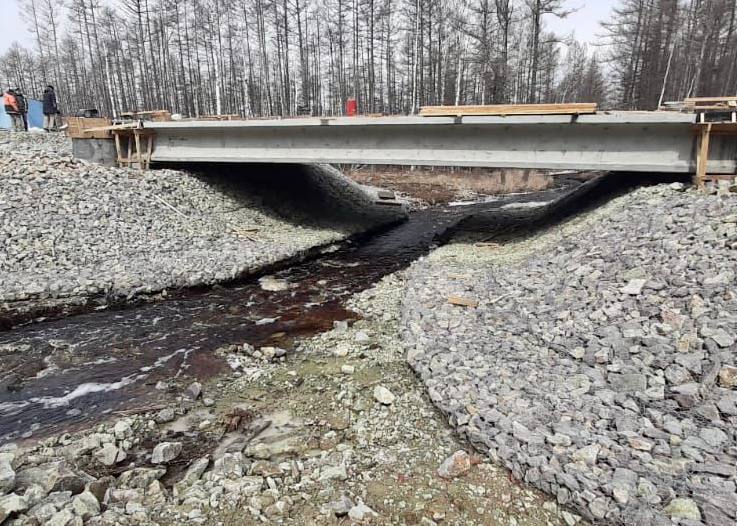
(615,141)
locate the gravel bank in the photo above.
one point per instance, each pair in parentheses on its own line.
(599,362)
(70,230)
(340,432)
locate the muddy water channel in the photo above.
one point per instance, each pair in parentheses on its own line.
(67,373)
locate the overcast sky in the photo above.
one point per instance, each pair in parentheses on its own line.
(584,23)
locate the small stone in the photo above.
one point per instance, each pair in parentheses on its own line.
(683,509)
(623,485)
(640,444)
(165,415)
(268,353)
(333,473)
(62,518)
(272,284)
(341,506)
(559,439)
(713,436)
(122,430)
(340,326)
(230,465)
(587,454)
(264,468)
(646,489)
(677,375)
(140,478)
(634,287)
(629,383)
(722,338)
(598,507)
(208,402)
(361,337)
(455,465)
(109,455)
(383,395)
(7,476)
(361,512)
(86,505)
(195,471)
(194,391)
(569,518)
(11,504)
(166,452)
(728,377)
(277,509)
(341,351)
(723,278)
(347,369)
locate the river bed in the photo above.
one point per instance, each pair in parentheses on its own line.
(68,373)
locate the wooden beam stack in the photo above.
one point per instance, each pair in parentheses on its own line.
(510,109)
(88,128)
(711,103)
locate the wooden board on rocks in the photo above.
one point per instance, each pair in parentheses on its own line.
(510,109)
(461,301)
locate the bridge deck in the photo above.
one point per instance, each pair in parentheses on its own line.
(616,141)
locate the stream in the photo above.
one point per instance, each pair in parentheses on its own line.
(68,373)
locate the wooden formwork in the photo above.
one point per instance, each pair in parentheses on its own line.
(715,116)
(704,132)
(88,128)
(134,146)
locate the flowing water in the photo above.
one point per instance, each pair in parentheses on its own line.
(61,374)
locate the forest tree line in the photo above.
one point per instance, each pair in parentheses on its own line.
(291,57)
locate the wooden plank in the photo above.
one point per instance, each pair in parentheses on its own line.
(510,109)
(697,100)
(118,151)
(149,151)
(724,128)
(139,154)
(717,177)
(149,113)
(114,127)
(724,107)
(230,117)
(702,157)
(460,301)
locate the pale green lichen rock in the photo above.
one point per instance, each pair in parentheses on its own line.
(683,509)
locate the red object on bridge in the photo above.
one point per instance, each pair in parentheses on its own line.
(351,107)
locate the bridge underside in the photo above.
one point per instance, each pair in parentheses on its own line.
(616,141)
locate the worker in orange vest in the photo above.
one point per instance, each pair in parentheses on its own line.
(11,108)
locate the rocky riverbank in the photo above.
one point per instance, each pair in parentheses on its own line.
(71,230)
(341,432)
(597,359)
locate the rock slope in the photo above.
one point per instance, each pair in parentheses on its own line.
(71,229)
(599,362)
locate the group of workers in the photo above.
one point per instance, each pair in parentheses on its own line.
(16,106)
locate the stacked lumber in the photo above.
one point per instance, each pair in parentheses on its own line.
(711,103)
(88,128)
(510,109)
(231,117)
(153,115)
